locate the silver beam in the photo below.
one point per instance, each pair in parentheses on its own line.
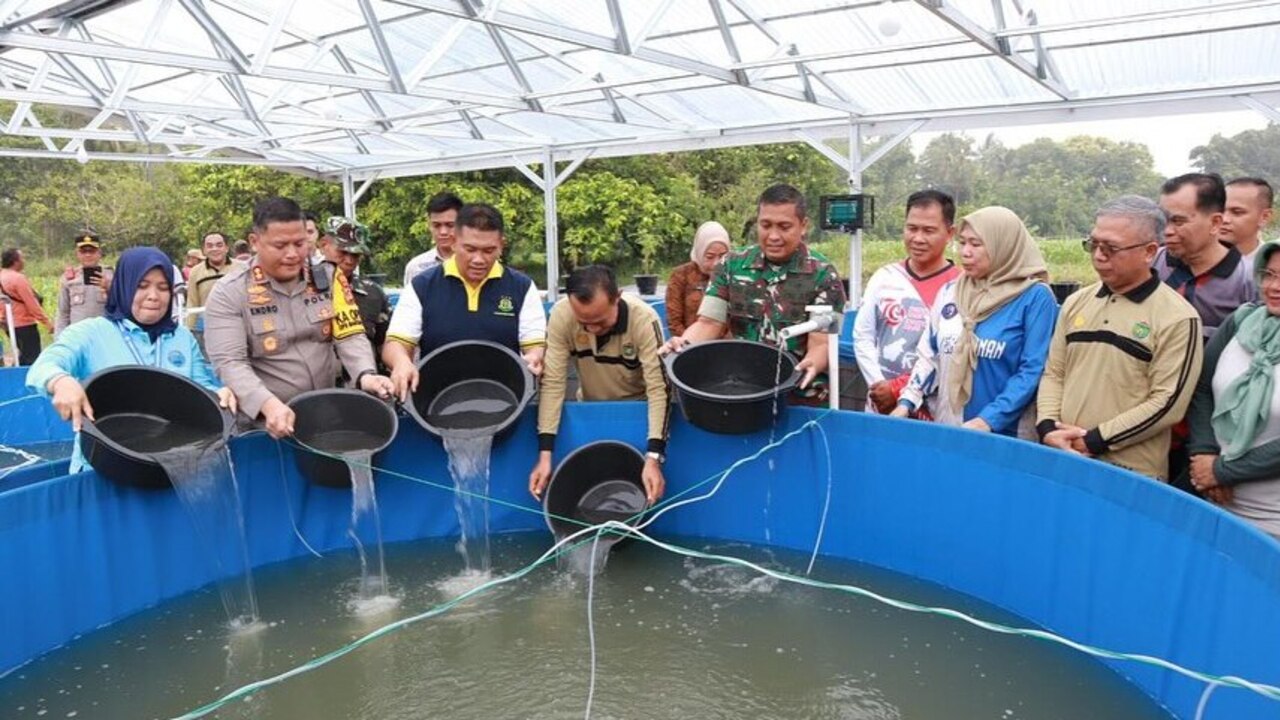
(365,95)
(384,50)
(269,37)
(984,37)
(216,34)
(731,45)
(1264,109)
(619,27)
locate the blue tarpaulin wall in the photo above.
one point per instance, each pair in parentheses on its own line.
(23,422)
(1088,551)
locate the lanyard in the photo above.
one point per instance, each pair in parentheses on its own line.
(133,349)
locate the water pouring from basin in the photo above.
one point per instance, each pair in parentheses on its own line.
(470,394)
(353,425)
(596,483)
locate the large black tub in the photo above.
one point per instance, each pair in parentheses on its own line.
(471,389)
(729,386)
(597,482)
(140,411)
(339,421)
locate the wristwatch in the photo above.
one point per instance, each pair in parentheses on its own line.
(656,457)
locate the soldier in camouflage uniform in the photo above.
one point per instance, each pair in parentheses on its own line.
(765,288)
(344,243)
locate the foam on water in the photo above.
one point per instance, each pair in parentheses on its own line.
(463,582)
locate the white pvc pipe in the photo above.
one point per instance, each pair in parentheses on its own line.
(833,368)
(13,330)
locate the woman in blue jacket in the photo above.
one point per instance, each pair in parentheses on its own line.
(980,363)
(138,328)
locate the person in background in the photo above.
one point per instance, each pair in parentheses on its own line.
(136,328)
(612,340)
(25,305)
(989,331)
(688,283)
(1209,273)
(344,243)
(213,267)
(1235,430)
(194,258)
(761,290)
(471,296)
(899,297)
(279,326)
(1248,213)
(442,218)
(312,223)
(1126,351)
(82,291)
(242,251)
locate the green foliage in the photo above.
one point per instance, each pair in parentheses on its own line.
(1252,153)
(606,218)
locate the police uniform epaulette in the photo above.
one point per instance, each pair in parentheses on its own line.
(70,273)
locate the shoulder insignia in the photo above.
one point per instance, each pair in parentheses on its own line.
(71,273)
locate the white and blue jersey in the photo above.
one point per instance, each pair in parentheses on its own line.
(1013,345)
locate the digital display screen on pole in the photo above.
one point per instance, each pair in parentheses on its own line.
(846,213)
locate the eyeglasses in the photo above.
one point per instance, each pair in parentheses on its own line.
(1091,246)
(1267,277)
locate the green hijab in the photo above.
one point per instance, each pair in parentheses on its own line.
(1245,404)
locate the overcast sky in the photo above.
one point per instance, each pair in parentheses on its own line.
(1169,141)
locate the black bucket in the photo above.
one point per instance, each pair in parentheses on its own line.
(140,411)
(647,284)
(470,389)
(338,421)
(595,483)
(1063,290)
(728,386)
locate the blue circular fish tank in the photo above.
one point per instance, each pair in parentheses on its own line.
(1084,550)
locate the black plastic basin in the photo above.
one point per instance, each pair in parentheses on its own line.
(595,483)
(1063,290)
(339,421)
(470,389)
(729,386)
(140,411)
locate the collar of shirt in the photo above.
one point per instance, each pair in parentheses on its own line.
(473,293)
(1138,294)
(1225,267)
(799,262)
(619,327)
(288,289)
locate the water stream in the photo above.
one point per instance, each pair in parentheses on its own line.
(469,466)
(202,477)
(366,526)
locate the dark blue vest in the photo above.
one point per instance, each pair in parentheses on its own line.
(446,319)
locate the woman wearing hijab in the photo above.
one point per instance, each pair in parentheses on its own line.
(1235,413)
(137,328)
(981,361)
(688,283)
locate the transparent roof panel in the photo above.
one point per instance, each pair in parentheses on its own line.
(484,83)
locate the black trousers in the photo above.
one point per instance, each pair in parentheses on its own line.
(28,344)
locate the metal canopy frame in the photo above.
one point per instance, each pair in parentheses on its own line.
(384,88)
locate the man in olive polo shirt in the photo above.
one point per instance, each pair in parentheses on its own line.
(613,341)
(1126,352)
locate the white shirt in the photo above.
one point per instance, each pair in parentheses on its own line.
(419,264)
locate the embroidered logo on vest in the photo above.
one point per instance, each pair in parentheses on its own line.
(505,306)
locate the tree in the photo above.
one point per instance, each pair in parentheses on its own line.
(950,163)
(1251,153)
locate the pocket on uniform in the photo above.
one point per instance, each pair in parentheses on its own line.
(747,300)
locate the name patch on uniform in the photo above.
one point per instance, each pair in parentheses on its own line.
(505,306)
(949,311)
(312,299)
(264,310)
(177,358)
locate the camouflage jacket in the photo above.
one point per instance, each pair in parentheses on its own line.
(763,298)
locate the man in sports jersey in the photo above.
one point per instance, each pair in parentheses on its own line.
(894,314)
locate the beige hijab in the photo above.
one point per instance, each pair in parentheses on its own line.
(1016,265)
(708,233)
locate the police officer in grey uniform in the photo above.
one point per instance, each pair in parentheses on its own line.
(279,326)
(82,293)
